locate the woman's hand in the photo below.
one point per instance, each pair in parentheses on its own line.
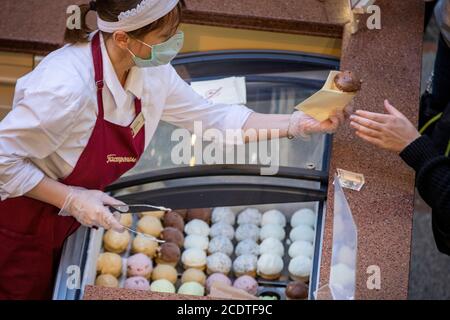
(302,125)
(297,124)
(88,207)
(391,131)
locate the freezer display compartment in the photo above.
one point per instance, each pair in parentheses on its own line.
(266,287)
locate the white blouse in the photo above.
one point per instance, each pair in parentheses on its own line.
(55,109)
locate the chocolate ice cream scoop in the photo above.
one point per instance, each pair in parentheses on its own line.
(347,81)
(181,212)
(201,214)
(297,290)
(174,220)
(173,235)
(168,253)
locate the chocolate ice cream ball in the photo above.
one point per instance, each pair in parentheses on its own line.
(173,235)
(297,290)
(181,212)
(174,220)
(201,214)
(347,81)
(168,253)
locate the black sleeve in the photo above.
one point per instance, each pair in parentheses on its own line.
(433,182)
(441,131)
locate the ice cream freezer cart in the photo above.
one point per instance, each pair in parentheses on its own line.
(275,82)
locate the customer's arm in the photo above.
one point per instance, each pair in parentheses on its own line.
(393,131)
(433,173)
(433,183)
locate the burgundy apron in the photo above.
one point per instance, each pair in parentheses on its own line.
(31,232)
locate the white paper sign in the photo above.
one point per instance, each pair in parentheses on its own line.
(228,90)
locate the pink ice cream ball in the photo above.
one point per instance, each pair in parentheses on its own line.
(247,284)
(217,277)
(139,265)
(137,283)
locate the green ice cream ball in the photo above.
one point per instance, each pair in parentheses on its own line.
(162,285)
(192,288)
(268,298)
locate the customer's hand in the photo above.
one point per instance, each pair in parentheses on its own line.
(391,131)
(88,207)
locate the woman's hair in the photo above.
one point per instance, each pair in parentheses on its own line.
(109,10)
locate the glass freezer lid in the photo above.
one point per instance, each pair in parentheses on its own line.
(275,82)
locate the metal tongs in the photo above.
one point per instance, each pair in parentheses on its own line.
(134,209)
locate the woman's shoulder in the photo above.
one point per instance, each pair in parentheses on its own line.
(67,71)
(60,85)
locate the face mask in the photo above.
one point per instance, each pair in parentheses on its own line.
(162,53)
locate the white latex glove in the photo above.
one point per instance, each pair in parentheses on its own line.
(302,126)
(88,207)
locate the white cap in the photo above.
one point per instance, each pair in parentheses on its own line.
(146,12)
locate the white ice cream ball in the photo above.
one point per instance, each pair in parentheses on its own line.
(221,244)
(196,241)
(223,214)
(346,255)
(198,227)
(222,229)
(247,246)
(250,216)
(273,246)
(301,248)
(302,232)
(247,231)
(342,275)
(273,217)
(272,231)
(338,225)
(303,216)
(300,266)
(269,264)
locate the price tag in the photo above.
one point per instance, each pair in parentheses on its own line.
(351,180)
